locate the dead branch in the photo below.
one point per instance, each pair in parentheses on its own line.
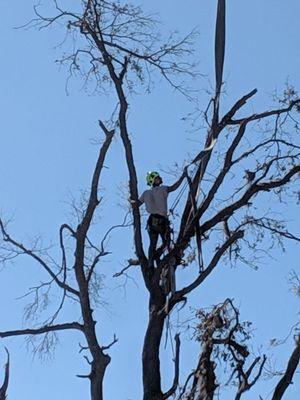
(24,250)
(250,193)
(267,114)
(4,387)
(287,378)
(114,341)
(179,295)
(43,329)
(174,386)
(131,262)
(239,104)
(93,198)
(243,377)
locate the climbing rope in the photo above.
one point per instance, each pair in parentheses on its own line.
(197,159)
(194,199)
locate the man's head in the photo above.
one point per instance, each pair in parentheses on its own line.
(153,179)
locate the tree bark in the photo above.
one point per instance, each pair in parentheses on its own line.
(97,376)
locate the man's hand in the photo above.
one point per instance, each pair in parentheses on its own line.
(134,202)
(185,171)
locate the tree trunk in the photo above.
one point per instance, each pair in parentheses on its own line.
(151,362)
(97,376)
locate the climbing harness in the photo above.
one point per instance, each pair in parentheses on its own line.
(157,223)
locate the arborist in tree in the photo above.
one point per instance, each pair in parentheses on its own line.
(156,202)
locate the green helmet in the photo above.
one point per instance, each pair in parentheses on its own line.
(150,177)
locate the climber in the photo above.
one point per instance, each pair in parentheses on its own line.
(156,203)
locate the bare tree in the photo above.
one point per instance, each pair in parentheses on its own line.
(122,45)
(82,272)
(229,173)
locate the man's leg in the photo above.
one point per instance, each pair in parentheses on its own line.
(165,238)
(153,236)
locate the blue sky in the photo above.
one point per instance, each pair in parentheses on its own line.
(47,158)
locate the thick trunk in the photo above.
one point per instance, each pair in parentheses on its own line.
(97,376)
(151,362)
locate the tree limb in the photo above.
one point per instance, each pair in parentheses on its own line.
(7,238)
(43,329)
(287,378)
(219,253)
(243,201)
(172,390)
(266,114)
(4,387)
(228,117)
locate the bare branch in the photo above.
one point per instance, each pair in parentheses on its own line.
(114,341)
(7,238)
(287,378)
(4,387)
(267,114)
(131,263)
(93,198)
(243,201)
(239,104)
(178,296)
(43,329)
(172,390)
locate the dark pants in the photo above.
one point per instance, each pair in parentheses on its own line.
(158,225)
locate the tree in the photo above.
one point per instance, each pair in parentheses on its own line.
(119,46)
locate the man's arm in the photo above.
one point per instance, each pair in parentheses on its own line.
(176,185)
(138,202)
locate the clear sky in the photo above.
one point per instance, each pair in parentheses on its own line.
(47,156)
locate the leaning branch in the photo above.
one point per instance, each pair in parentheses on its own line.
(172,390)
(43,329)
(244,200)
(287,378)
(4,387)
(179,295)
(266,114)
(239,104)
(93,199)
